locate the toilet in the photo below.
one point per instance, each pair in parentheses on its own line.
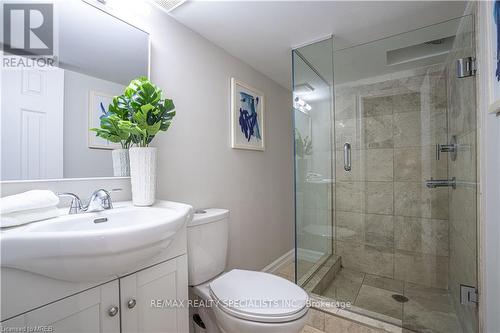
(239,301)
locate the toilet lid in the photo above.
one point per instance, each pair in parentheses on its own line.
(258,296)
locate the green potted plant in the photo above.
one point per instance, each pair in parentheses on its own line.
(115,127)
(133,119)
(150,114)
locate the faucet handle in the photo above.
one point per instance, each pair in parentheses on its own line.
(76,204)
(99,200)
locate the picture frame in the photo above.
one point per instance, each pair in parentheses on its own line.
(492,54)
(247,117)
(98,105)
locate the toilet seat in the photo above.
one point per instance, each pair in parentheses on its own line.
(258,296)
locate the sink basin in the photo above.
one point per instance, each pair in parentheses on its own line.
(93,247)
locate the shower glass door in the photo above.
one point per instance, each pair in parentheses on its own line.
(386,183)
(405,211)
(313,116)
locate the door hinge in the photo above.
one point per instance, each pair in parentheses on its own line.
(466,67)
(468,295)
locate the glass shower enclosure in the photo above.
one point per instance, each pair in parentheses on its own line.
(385,176)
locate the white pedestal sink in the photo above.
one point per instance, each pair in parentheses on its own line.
(93,247)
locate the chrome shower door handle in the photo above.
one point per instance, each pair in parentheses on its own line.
(347,156)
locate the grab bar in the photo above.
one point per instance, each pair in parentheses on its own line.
(347,156)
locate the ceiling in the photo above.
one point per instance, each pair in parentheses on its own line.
(262,33)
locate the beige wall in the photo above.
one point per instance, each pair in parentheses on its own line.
(197,165)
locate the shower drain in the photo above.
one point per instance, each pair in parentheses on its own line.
(400,298)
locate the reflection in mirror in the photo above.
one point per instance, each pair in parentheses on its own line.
(46,113)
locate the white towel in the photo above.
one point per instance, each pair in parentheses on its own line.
(34,199)
(27,216)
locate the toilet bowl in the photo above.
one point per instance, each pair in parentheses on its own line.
(239,301)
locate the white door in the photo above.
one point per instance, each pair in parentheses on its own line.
(166,281)
(32,123)
(86,312)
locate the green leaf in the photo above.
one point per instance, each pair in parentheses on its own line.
(147,107)
(153,129)
(137,115)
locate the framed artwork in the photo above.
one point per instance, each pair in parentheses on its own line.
(493,54)
(247,117)
(98,106)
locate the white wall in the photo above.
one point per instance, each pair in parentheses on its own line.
(489,145)
(196,163)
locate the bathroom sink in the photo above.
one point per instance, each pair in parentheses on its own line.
(93,247)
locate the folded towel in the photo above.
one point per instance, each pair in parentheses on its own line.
(27,216)
(34,199)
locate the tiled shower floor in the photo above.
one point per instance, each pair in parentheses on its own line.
(427,309)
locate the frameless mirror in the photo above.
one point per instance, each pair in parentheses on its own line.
(46,114)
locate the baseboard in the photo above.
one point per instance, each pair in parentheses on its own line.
(275,265)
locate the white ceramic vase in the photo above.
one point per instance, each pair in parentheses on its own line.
(143,175)
(121,163)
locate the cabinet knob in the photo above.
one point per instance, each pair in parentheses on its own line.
(113,311)
(131,303)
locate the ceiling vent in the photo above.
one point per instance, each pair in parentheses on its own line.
(426,50)
(169,5)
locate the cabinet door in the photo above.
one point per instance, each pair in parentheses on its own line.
(164,282)
(86,312)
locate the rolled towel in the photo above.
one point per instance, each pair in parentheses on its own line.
(28,216)
(29,200)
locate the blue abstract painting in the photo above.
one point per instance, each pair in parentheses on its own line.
(247,117)
(98,103)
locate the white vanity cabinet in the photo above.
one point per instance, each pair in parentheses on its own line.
(127,302)
(145,296)
(129,274)
(84,312)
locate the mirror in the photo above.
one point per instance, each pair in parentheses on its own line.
(46,114)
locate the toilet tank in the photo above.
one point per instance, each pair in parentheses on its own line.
(207,237)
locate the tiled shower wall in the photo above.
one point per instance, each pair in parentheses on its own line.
(463,206)
(387,222)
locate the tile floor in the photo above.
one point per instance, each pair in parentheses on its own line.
(319,321)
(428,310)
(288,270)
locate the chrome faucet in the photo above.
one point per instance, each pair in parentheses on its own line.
(434,183)
(99,200)
(76,204)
